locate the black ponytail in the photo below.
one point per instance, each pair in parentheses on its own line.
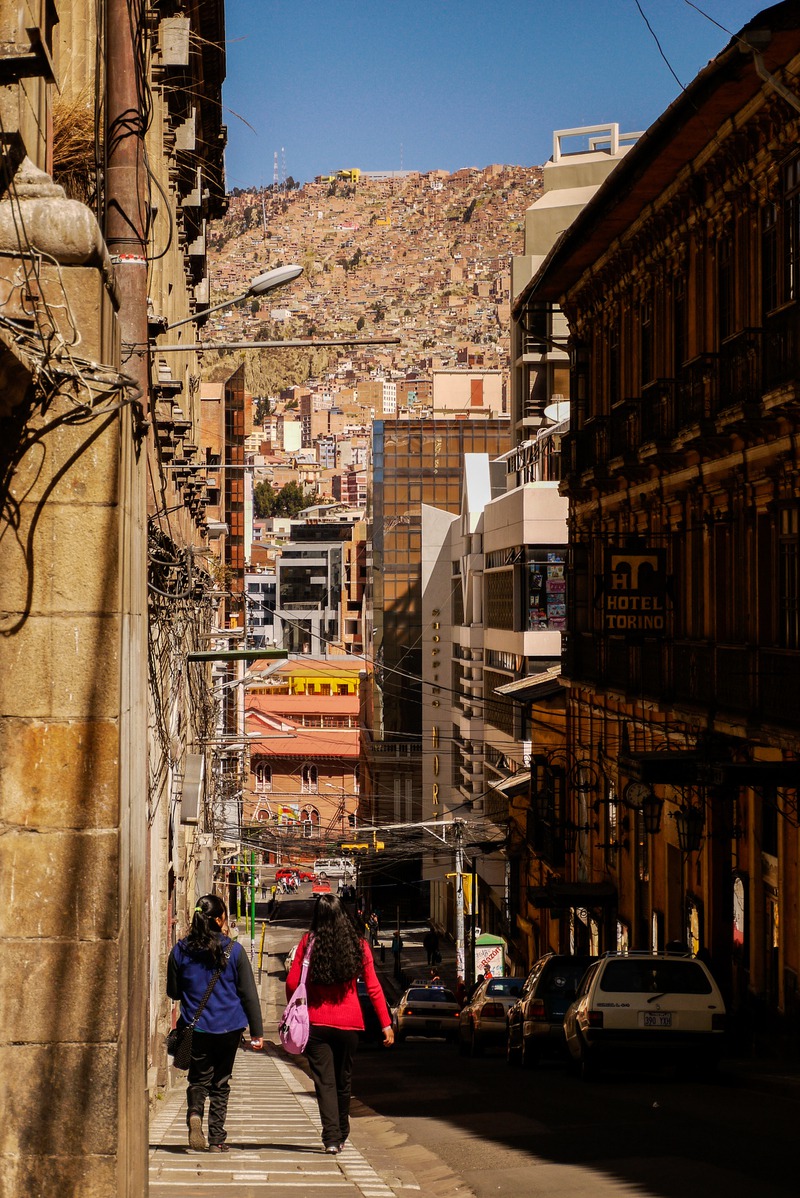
(205,932)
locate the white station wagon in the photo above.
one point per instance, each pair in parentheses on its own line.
(635,1008)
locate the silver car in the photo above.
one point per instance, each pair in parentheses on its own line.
(483,1019)
(427,1011)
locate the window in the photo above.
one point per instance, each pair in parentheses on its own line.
(646,342)
(770,280)
(611,826)
(680,339)
(791,230)
(614,371)
(725,286)
(309,780)
(642,847)
(500,599)
(739,915)
(309,822)
(263,774)
(546,590)
(789,609)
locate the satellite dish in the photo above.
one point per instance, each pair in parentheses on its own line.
(557,411)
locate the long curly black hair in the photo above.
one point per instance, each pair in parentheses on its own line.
(338,954)
(205,935)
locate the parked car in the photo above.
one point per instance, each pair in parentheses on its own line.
(334,867)
(645,1007)
(426,1011)
(483,1019)
(536,1021)
(299,871)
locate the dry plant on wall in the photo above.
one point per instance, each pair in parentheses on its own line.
(74,145)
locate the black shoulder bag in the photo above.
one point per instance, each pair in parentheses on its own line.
(179,1040)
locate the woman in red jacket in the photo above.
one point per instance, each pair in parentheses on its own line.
(338,957)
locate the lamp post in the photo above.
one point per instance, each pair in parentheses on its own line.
(689,822)
(262,283)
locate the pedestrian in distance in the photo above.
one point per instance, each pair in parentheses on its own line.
(430,942)
(339,956)
(231,1006)
(397,949)
(374,928)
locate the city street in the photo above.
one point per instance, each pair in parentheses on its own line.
(506,1131)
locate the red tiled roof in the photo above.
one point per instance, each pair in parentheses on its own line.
(294,705)
(307,742)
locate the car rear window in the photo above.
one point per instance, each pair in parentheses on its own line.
(430,995)
(653,977)
(509,987)
(563,977)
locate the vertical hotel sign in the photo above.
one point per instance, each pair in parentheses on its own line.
(435,665)
(634,592)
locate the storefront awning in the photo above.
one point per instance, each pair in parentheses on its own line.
(534,686)
(513,785)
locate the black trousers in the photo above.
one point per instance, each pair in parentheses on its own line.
(213,1056)
(330,1052)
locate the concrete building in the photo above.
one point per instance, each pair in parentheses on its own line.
(582,159)
(494,609)
(415,463)
(469,392)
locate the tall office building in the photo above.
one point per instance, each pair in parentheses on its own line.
(414,463)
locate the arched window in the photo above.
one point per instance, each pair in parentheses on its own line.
(309,820)
(263,774)
(309,783)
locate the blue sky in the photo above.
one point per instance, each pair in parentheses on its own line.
(445,84)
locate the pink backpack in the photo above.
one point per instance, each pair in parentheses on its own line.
(294,1025)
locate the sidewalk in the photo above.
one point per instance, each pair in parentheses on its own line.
(274,1132)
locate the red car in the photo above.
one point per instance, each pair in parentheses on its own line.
(286,871)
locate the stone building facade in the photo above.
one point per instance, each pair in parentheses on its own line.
(105,578)
(679,282)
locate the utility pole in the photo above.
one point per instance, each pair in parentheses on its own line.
(458,829)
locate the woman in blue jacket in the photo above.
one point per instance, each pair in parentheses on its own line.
(232,1005)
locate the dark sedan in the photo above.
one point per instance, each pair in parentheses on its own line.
(535,1026)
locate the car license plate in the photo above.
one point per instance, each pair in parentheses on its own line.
(655,1018)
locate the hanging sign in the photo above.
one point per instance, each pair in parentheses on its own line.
(634,591)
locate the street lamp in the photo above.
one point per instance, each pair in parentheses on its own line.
(260,284)
(689,822)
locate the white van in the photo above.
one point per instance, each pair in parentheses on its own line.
(334,867)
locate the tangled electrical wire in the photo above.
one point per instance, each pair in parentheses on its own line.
(49,375)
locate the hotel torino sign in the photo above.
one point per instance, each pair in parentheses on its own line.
(634,591)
